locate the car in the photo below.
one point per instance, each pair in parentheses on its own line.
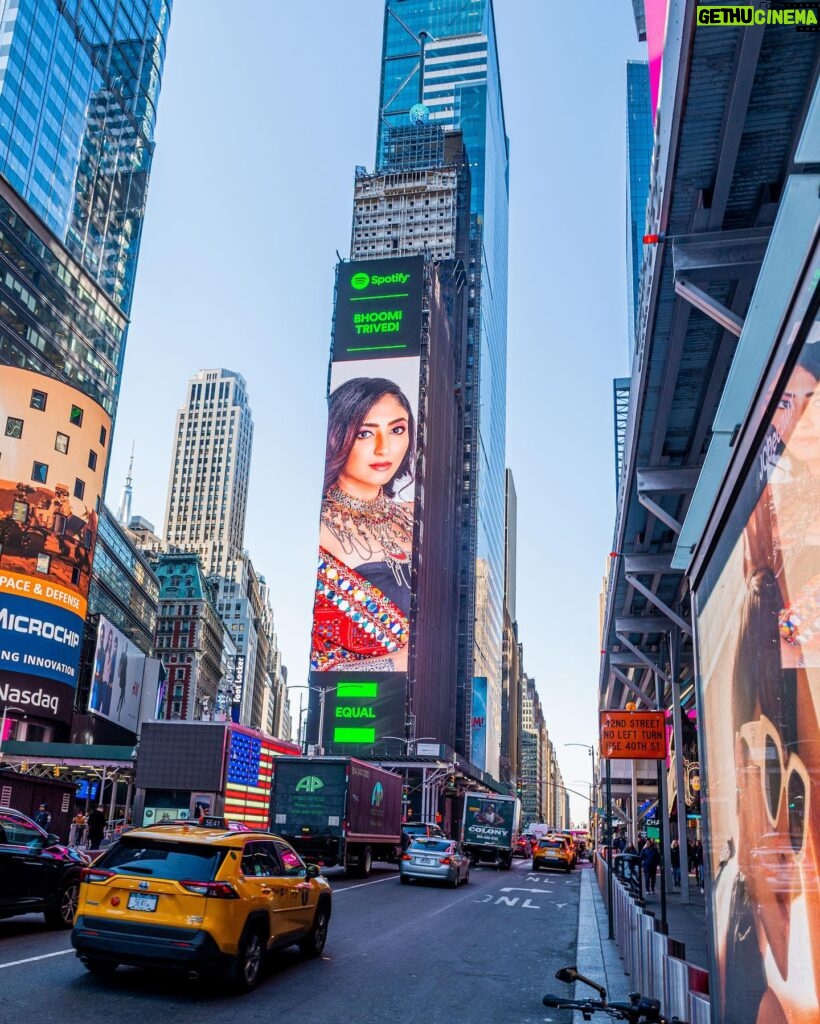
(573,848)
(38,874)
(522,847)
(414,829)
(436,860)
(552,851)
(204,899)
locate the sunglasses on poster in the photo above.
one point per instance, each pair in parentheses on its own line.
(782,774)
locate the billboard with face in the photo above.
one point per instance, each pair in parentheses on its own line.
(758,627)
(118,679)
(361,614)
(53,453)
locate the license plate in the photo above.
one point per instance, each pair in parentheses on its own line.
(142,901)
(426,860)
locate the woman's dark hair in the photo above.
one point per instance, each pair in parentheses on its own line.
(348,407)
(758,677)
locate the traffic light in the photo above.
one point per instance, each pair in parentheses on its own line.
(405,793)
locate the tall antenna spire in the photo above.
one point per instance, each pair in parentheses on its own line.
(124,513)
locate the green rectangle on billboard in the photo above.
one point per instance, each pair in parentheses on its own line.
(378,308)
(351,734)
(357,690)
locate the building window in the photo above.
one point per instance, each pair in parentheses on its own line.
(103,436)
(39,472)
(14,427)
(61,443)
(79,489)
(38,400)
(92,460)
(76,417)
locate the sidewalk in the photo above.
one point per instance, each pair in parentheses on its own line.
(599,957)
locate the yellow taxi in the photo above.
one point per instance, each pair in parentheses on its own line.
(552,851)
(573,846)
(199,898)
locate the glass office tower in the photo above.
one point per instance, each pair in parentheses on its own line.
(639,141)
(440,63)
(79,83)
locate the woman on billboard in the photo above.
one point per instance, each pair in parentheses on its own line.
(366,539)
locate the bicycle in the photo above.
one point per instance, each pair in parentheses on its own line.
(639,1010)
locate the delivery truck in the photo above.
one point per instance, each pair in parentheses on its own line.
(337,810)
(490,828)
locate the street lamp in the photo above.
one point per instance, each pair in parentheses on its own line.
(591,750)
(323,691)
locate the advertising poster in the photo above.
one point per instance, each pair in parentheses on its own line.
(53,453)
(361,614)
(478,744)
(118,679)
(236,679)
(758,623)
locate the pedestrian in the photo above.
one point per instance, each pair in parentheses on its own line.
(43,818)
(699,862)
(96,828)
(650,858)
(75,832)
(674,859)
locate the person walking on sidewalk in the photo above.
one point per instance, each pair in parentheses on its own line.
(650,859)
(674,860)
(698,857)
(96,828)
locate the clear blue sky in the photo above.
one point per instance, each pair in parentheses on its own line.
(263,116)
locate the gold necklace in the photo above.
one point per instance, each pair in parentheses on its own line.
(376,530)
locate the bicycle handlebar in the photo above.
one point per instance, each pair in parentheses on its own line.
(641,1011)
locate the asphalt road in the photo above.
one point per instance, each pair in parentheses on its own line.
(485,952)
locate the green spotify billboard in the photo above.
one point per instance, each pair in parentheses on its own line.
(360,640)
(378,308)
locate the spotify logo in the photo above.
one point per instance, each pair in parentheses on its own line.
(360,281)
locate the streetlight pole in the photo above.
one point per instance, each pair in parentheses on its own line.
(323,691)
(591,749)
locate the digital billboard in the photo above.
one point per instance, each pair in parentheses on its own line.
(758,628)
(118,678)
(53,453)
(361,613)
(478,727)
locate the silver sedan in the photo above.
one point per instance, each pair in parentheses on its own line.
(439,860)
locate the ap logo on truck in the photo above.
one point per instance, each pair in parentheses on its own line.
(377,795)
(309,784)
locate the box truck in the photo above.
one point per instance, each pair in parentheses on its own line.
(337,810)
(490,828)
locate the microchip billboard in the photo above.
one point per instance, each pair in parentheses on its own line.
(53,453)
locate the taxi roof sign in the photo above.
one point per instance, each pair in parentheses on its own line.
(633,735)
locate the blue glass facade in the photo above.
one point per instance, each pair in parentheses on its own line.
(442,53)
(79,83)
(639,141)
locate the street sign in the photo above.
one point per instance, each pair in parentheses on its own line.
(636,735)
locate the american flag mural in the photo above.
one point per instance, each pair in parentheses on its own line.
(250,771)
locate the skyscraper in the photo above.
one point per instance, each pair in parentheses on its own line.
(208,481)
(440,63)
(639,140)
(79,84)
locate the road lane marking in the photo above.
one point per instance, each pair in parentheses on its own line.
(32,959)
(359,885)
